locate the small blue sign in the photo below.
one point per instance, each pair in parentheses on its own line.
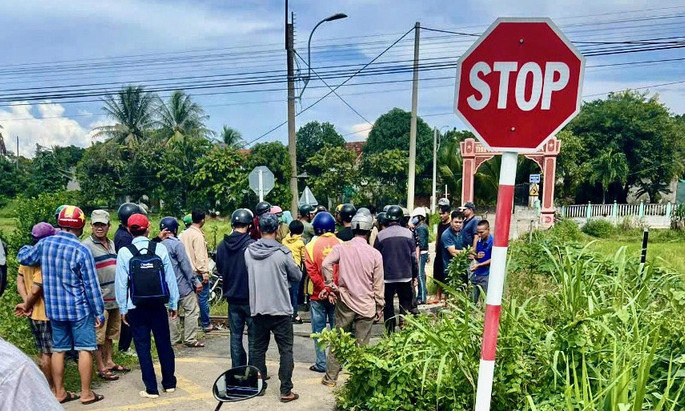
(534,179)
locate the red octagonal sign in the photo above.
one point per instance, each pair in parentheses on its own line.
(519,84)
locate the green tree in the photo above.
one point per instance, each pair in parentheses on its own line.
(274,155)
(333,169)
(180,117)
(221,177)
(384,178)
(176,168)
(100,173)
(133,110)
(640,128)
(314,136)
(47,174)
(608,168)
(231,137)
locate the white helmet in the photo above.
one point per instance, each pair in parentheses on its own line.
(443,202)
(364,211)
(362,221)
(419,212)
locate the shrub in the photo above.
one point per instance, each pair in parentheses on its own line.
(599,228)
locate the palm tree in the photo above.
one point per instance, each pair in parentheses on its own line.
(3,149)
(231,137)
(180,117)
(609,167)
(133,110)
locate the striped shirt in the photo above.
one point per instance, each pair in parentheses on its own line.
(106,266)
(70,282)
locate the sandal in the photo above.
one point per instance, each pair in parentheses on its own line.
(290,397)
(107,375)
(119,368)
(209,329)
(316,369)
(96,398)
(69,397)
(196,344)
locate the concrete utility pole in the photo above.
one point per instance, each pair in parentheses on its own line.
(434,190)
(412,129)
(292,139)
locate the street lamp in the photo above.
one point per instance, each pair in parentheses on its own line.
(436,146)
(336,16)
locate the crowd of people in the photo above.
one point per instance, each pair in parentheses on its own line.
(346,267)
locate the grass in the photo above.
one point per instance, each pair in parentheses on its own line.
(665,247)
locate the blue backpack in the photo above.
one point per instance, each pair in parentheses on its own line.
(146,279)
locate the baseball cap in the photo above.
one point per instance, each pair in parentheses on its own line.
(470,205)
(42,230)
(138,222)
(99,216)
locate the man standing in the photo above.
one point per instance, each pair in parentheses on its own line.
(306,213)
(481,270)
(421,231)
(398,249)
(149,280)
(271,269)
(261,208)
(453,243)
(321,311)
(438,262)
(193,240)
(359,295)
(102,249)
(347,211)
(73,301)
(230,262)
(188,285)
(470,227)
(123,238)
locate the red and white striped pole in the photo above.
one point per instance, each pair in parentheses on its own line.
(493,306)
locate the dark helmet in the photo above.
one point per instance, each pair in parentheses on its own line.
(126,210)
(170,223)
(268,223)
(385,208)
(347,211)
(381,218)
(320,208)
(262,207)
(242,216)
(394,213)
(323,223)
(305,210)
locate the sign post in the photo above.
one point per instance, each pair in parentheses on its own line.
(261,181)
(516,87)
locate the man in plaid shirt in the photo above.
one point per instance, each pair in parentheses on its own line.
(73,301)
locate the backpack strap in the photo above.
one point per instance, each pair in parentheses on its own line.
(133,249)
(151,247)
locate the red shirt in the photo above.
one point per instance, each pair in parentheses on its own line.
(317,250)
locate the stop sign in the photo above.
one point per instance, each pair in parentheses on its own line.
(519,84)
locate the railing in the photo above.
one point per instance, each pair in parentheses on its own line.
(615,210)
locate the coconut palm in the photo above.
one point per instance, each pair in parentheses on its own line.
(607,168)
(3,149)
(231,137)
(180,118)
(133,110)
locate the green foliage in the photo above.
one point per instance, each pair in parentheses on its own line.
(180,117)
(219,178)
(312,138)
(678,217)
(608,168)
(231,137)
(384,178)
(31,211)
(599,228)
(334,168)
(275,156)
(456,270)
(133,110)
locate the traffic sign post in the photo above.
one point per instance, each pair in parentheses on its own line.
(261,181)
(517,86)
(534,179)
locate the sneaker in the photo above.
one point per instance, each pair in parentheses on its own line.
(129,353)
(146,394)
(169,390)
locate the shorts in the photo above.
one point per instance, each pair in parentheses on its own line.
(110,330)
(79,335)
(42,334)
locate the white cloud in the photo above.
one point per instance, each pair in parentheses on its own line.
(361,131)
(48,127)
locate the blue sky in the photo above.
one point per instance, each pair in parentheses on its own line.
(109,43)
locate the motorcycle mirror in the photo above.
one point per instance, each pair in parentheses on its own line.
(237,384)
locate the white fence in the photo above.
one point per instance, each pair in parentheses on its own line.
(655,215)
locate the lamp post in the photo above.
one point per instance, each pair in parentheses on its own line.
(436,146)
(336,16)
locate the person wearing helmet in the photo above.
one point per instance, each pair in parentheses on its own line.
(347,211)
(438,262)
(270,269)
(283,229)
(293,240)
(57,213)
(29,280)
(188,286)
(358,295)
(306,213)
(102,249)
(418,221)
(396,245)
(187,220)
(123,238)
(73,301)
(320,208)
(321,310)
(230,263)
(261,208)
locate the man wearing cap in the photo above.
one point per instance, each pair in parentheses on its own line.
(151,317)
(438,262)
(188,285)
(103,251)
(73,301)
(306,213)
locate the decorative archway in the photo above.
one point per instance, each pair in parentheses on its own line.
(473,154)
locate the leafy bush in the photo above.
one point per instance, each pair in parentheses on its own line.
(31,211)
(599,228)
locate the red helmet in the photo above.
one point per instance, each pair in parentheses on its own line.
(71,217)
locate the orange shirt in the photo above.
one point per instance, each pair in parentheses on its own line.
(33,275)
(317,250)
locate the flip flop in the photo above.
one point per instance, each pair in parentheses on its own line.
(288,399)
(196,344)
(70,397)
(119,368)
(107,375)
(96,398)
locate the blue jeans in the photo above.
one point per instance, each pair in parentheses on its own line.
(238,318)
(321,312)
(144,321)
(79,335)
(422,278)
(203,302)
(294,294)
